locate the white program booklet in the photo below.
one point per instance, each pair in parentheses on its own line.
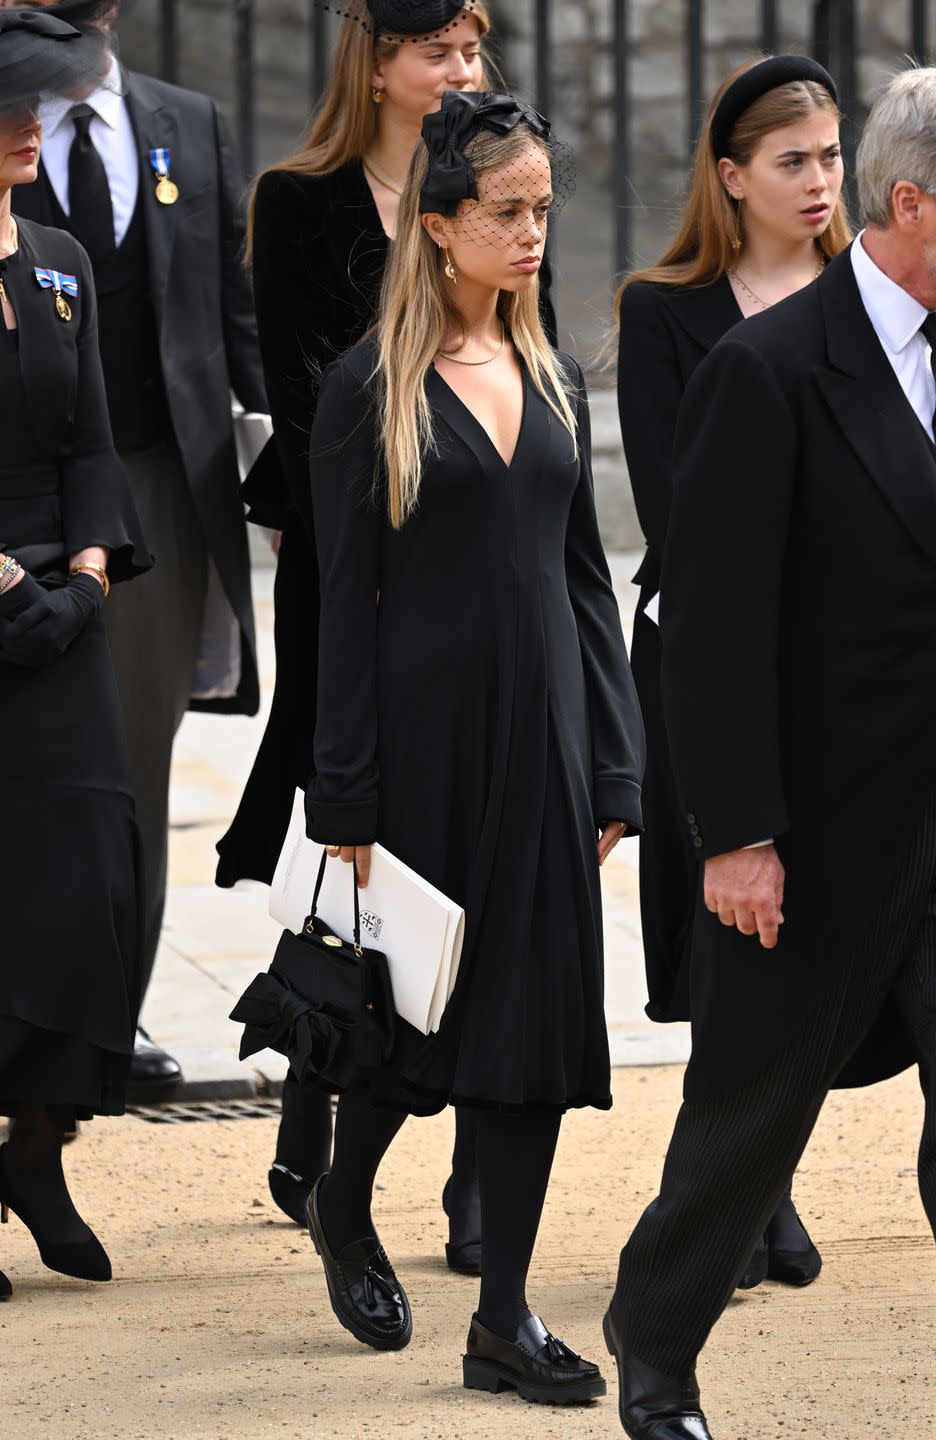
(418,929)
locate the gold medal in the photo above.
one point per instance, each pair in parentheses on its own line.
(62,308)
(167,191)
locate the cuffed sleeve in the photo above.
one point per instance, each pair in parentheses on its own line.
(614,714)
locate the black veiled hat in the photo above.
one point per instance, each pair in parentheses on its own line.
(401,19)
(40,54)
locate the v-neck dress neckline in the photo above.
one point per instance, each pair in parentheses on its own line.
(472,431)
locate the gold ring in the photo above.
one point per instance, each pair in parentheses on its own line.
(332,849)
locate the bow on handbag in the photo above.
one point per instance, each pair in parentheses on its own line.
(277,1017)
(464,114)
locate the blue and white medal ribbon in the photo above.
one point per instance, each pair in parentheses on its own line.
(61,285)
(167,192)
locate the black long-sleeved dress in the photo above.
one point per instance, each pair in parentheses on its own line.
(68,852)
(480,720)
(319,252)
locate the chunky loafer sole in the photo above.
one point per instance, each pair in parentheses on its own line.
(352,1320)
(494,1378)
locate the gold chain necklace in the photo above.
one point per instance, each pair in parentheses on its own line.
(14,246)
(455,360)
(765,304)
(394,190)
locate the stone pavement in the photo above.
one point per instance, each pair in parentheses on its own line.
(214,941)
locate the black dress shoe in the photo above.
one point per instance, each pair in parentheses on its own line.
(154,1075)
(6,1289)
(365,1295)
(756,1269)
(81,1259)
(653,1406)
(290,1191)
(799,1266)
(462,1205)
(537,1365)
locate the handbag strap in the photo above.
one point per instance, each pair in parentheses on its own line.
(357,903)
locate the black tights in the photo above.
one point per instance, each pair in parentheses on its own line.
(515,1156)
(32,1161)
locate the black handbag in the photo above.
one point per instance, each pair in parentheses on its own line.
(325,1003)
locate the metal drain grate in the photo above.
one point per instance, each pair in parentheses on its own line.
(260,1108)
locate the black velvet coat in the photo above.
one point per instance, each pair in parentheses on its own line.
(319,251)
(207,334)
(479,720)
(799,669)
(665,334)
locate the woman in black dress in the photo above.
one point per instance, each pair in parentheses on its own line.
(763,216)
(321,226)
(479,718)
(68,881)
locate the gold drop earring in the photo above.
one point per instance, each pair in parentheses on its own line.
(377,95)
(450,270)
(736,237)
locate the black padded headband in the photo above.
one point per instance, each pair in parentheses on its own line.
(768,75)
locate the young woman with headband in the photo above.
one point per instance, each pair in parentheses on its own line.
(480,719)
(321,226)
(764,214)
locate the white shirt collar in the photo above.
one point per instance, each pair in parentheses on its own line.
(105,101)
(894,313)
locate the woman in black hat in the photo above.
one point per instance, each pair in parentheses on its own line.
(479,719)
(322,222)
(68,883)
(764,215)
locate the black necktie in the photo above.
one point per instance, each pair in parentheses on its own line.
(91,210)
(928,331)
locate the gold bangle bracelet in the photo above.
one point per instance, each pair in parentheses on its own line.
(97,569)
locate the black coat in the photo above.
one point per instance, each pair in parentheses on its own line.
(319,252)
(799,670)
(665,333)
(204,317)
(480,721)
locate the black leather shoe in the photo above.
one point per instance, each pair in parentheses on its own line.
(463,1208)
(81,1259)
(365,1295)
(653,1406)
(537,1365)
(290,1191)
(791,1267)
(6,1289)
(756,1269)
(154,1075)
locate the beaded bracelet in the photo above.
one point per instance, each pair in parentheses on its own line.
(8,573)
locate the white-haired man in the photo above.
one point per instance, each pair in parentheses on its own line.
(799,670)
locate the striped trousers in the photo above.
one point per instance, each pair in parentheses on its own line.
(730,1159)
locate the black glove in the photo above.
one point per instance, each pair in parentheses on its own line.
(42,628)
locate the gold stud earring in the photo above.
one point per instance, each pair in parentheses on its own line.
(377,95)
(450,270)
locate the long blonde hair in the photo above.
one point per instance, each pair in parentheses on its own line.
(344,123)
(415,314)
(704,250)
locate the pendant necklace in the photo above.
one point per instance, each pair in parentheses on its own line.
(455,360)
(394,190)
(9,250)
(764,304)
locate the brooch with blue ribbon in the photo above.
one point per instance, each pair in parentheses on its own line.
(167,191)
(61,285)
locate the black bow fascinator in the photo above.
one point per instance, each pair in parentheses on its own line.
(40,54)
(401,19)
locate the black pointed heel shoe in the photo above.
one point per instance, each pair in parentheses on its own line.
(6,1289)
(536,1365)
(463,1208)
(653,1406)
(799,1266)
(81,1259)
(365,1295)
(755,1272)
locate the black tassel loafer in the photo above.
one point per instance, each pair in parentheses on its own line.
(537,1365)
(653,1406)
(367,1298)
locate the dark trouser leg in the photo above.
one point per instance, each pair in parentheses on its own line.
(916,995)
(364,1133)
(154,627)
(729,1160)
(515,1156)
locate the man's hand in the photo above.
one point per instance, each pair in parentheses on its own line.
(745,888)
